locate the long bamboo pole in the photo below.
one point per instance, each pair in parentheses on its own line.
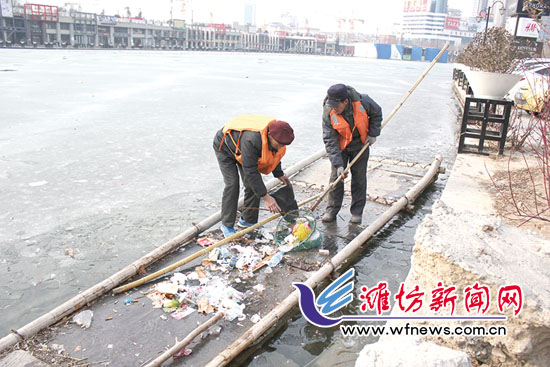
(386,121)
(278,312)
(200,253)
(188,339)
(129,271)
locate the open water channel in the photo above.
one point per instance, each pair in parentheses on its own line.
(105,155)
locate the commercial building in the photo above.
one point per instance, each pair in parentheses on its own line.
(36,25)
(427,23)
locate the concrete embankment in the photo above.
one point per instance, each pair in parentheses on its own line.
(465,241)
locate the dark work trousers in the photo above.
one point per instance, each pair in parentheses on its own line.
(358,184)
(230,169)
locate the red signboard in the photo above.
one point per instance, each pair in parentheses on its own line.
(281,34)
(45,13)
(220,28)
(138,20)
(452,23)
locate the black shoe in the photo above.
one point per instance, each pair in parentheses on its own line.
(328,217)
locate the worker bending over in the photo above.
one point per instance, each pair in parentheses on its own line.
(250,145)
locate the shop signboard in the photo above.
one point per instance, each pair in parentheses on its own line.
(527,27)
(533,7)
(179,24)
(452,23)
(106,19)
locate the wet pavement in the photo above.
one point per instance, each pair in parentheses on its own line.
(105,155)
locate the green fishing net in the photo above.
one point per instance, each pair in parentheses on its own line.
(297,230)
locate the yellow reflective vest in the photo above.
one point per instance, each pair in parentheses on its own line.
(269,159)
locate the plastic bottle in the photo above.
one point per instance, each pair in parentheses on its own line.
(224,252)
(276,259)
(214,254)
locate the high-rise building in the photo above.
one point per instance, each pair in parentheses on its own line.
(481,6)
(250,14)
(427,22)
(439,6)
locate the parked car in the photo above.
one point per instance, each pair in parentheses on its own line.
(531,71)
(533,95)
(532,92)
(527,64)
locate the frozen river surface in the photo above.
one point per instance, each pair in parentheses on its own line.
(104,155)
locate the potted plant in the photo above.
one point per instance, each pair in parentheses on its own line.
(491,58)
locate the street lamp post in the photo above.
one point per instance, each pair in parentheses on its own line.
(488,14)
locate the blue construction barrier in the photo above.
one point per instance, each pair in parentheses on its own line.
(390,51)
(384,50)
(401,49)
(416,54)
(431,53)
(397,52)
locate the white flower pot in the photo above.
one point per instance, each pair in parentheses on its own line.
(490,85)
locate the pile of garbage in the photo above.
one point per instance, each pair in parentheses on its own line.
(181,296)
(207,288)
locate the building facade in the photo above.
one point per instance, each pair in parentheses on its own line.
(427,23)
(35,25)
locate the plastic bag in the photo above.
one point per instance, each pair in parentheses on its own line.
(84,319)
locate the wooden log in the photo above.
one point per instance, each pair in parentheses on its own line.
(188,339)
(288,303)
(129,271)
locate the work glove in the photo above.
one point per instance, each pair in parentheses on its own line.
(371,139)
(339,171)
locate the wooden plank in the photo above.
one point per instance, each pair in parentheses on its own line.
(21,358)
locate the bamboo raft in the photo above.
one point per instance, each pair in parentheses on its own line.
(135,334)
(130,334)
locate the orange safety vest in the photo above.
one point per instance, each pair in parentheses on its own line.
(269,159)
(340,124)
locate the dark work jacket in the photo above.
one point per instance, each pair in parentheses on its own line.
(330,136)
(250,146)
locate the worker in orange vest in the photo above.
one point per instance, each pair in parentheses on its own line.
(250,145)
(350,120)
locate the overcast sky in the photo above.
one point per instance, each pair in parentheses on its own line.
(376,15)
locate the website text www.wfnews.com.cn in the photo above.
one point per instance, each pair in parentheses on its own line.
(428,330)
